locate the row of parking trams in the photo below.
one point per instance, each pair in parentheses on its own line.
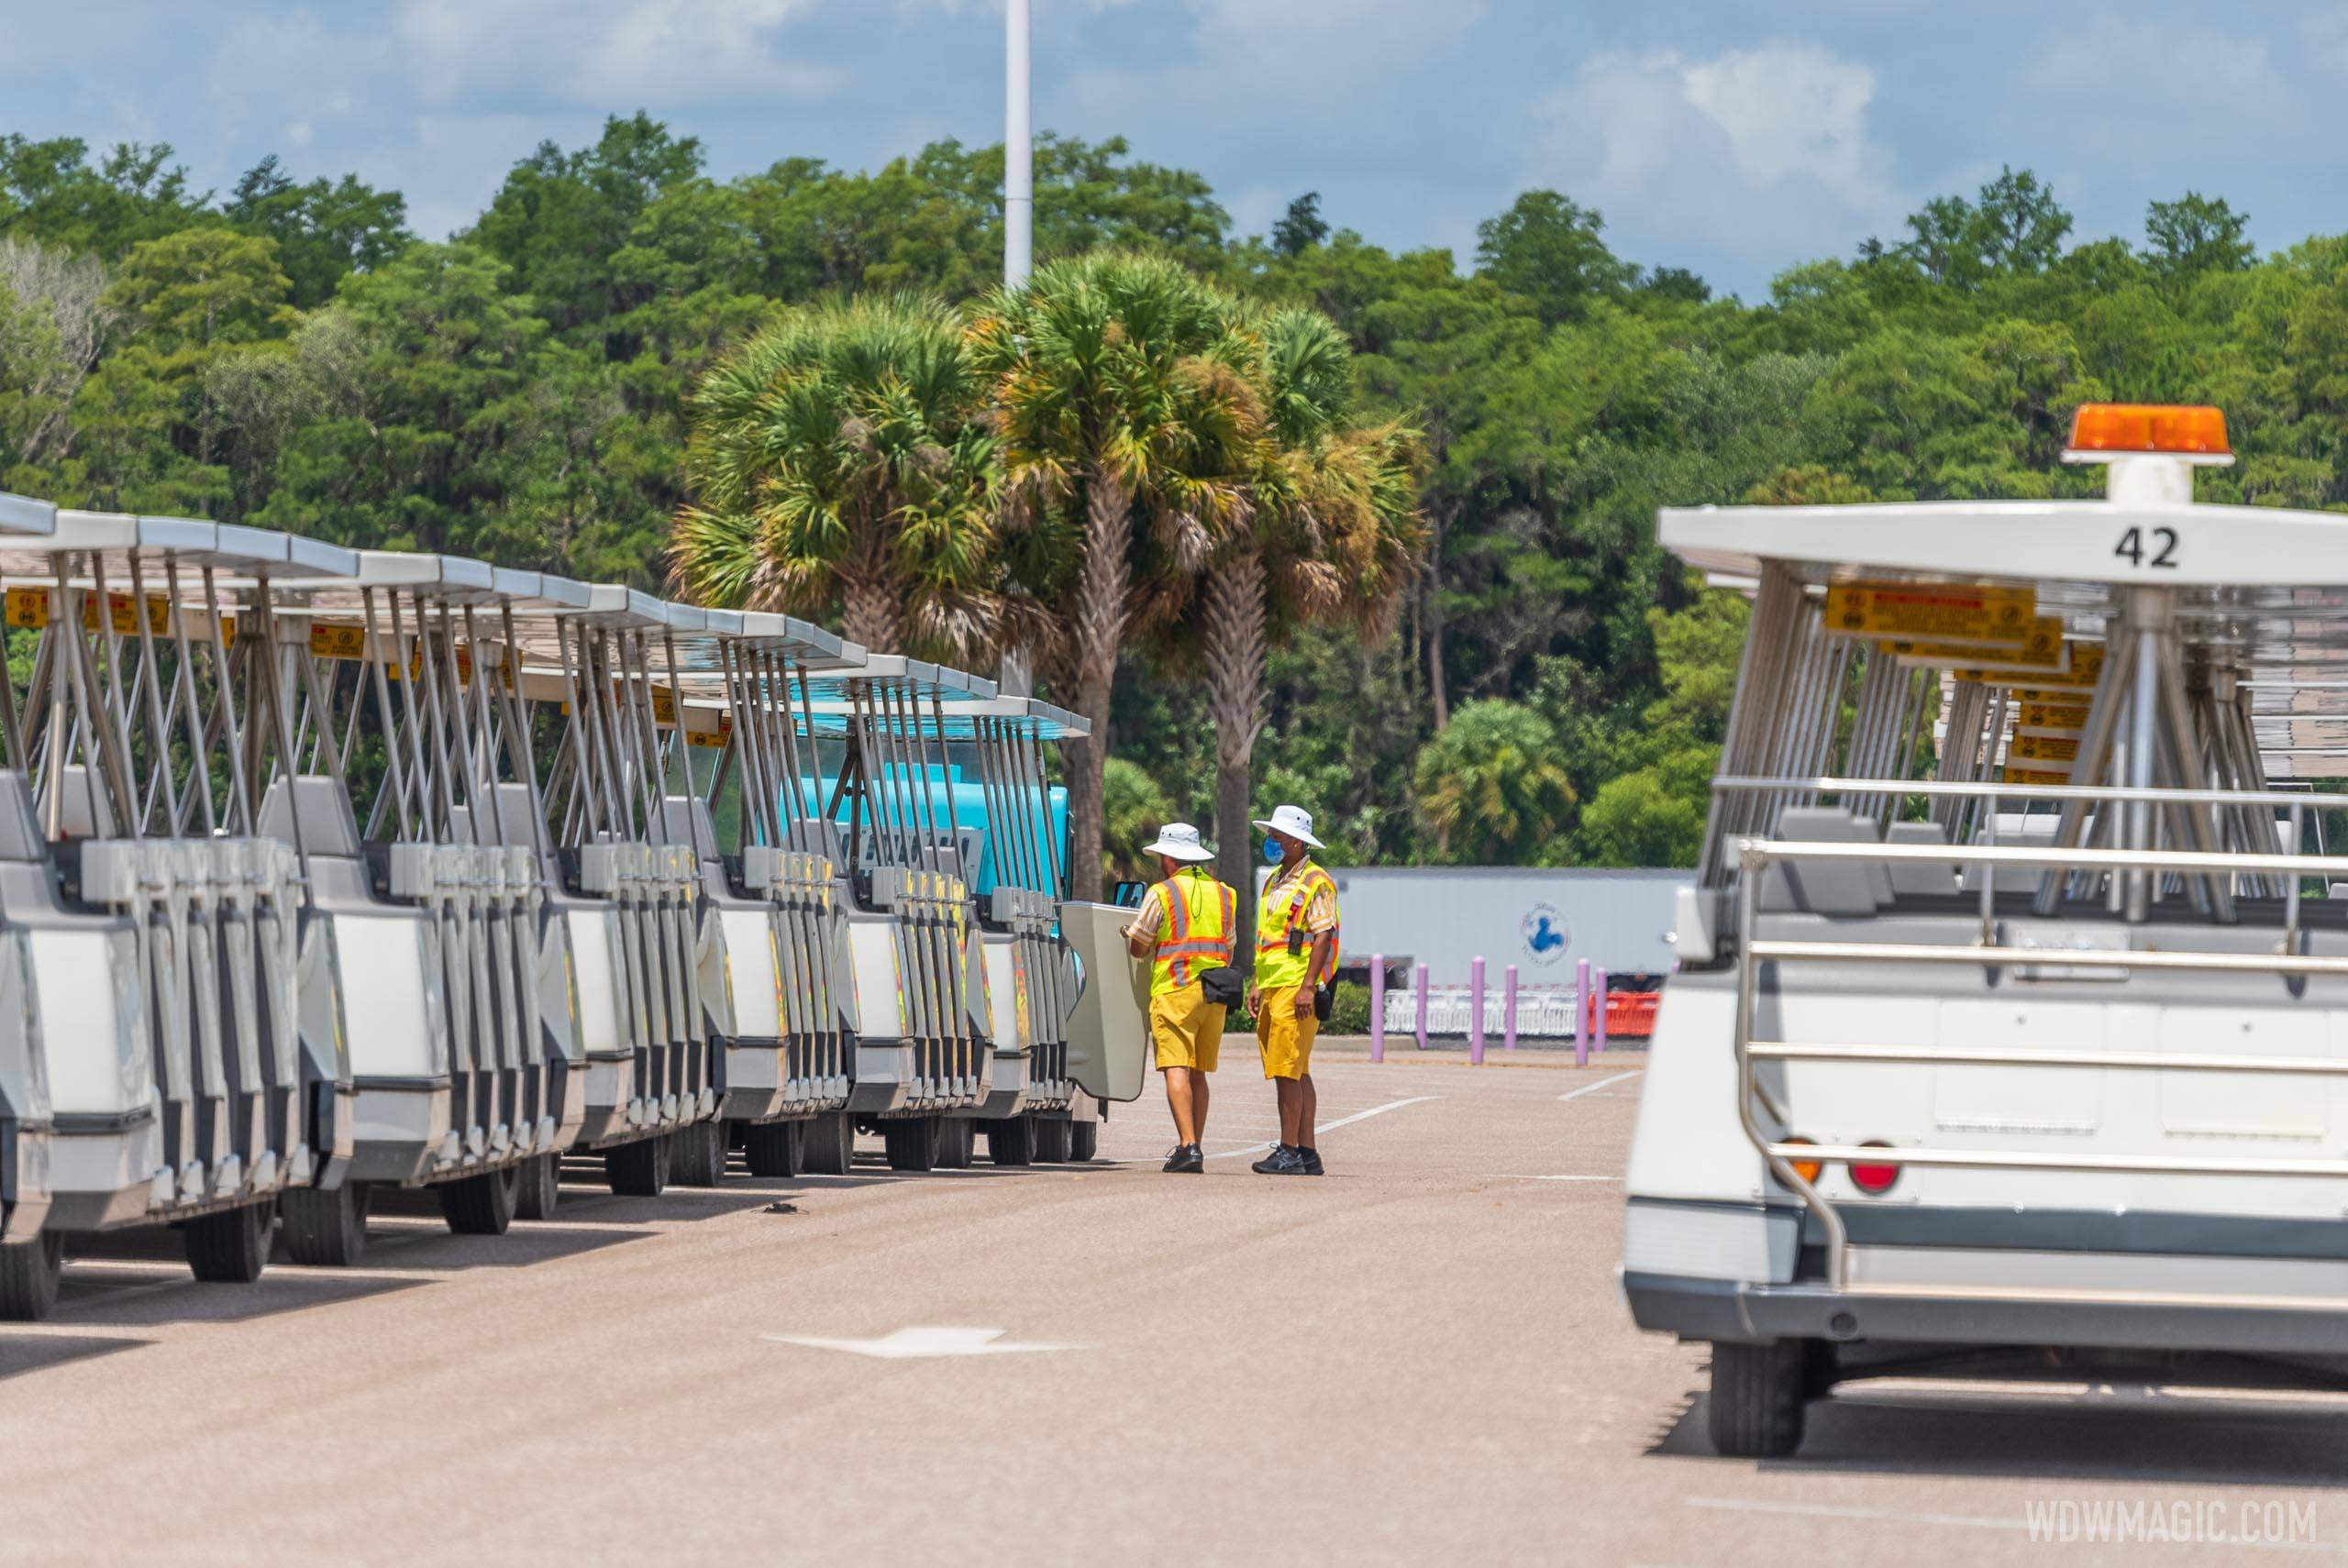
(324,870)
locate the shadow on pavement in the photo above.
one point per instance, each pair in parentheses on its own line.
(2056,1435)
(129,1297)
(20,1354)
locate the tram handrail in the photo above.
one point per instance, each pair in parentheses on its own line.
(1998,789)
(1755,855)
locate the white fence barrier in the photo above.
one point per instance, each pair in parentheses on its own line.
(1542,1013)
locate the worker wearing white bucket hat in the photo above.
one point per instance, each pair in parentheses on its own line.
(1296,956)
(1187,928)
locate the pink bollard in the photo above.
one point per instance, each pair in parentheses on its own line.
(1378,1006)
(1508,1010)
(1598,1007)
(1422,1007)
(1475,1011)
(1581,1012)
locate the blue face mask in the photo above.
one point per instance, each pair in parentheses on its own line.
(1271,852)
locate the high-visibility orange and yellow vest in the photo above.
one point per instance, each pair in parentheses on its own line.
(1284,910)
(1198,935)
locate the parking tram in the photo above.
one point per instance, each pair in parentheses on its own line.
(2009,1040)
(323,872)
(153,897)
(774,979)
(985,810)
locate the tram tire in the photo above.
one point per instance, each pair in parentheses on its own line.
(639,1169)
(912,1143)
(480,1205)
(697,1154)
(326,1230)
(772,1148)
(537,1187)
(1011,1142)
(29,1273)
(1051,1140)
(1083,1142)
(1760,1393)
(230,1247)
(957,1138)
(827,1144)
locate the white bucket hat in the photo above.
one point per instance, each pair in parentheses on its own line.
(1292,822)
(1180,841)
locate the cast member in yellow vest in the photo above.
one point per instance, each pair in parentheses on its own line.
(1296,955)
(1186,928)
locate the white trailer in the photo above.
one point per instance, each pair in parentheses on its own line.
(2008,1035)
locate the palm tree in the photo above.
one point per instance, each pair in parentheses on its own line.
(1333,536)
(1119,398)
(840,458)
(1493,786)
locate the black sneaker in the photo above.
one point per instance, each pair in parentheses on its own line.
(1311,1162)
(1283,1161)
(1187,1158)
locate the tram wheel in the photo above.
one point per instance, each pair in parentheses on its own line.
(772,1148)
(639,1169)
(912,1143)
(326,1230)
(827,1144)
(480,1205)
(1083,1142)
(29,1272)
(1051,1140)
(537,1187)
(1012,1142)
(957,1137)
(697,1154)
(230,1247)
(1759,1395)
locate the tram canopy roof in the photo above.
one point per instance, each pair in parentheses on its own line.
(23,514)
(2263,589)
(241,552)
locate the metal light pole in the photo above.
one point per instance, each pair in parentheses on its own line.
(1015,676)
(1018,150)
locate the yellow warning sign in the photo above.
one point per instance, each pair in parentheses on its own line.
(28,608)
(2040,715)
(1946,612)
(2045,748)
(2038,775)
(2084,669)
(337,641)
(2041,648)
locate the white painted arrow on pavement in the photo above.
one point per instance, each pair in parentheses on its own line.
(910,1343)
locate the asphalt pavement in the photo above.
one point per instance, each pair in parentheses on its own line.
(1420,1358)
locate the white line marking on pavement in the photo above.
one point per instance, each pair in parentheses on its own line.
(1512,1176)
(1333,1126)
(1969,1521)
(912,1343)
(1592,1088)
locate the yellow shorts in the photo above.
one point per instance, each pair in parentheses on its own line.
(1185,1027)
(1287,1039)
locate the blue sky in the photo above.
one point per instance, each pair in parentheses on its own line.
(1732,139)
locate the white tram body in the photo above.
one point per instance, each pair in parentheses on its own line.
(2011,1027)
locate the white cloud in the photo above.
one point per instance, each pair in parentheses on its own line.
(605,53)
(1695,160)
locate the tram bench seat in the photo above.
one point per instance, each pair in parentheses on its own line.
(1826,887)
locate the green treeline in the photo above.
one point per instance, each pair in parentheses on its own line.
(1546,686)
